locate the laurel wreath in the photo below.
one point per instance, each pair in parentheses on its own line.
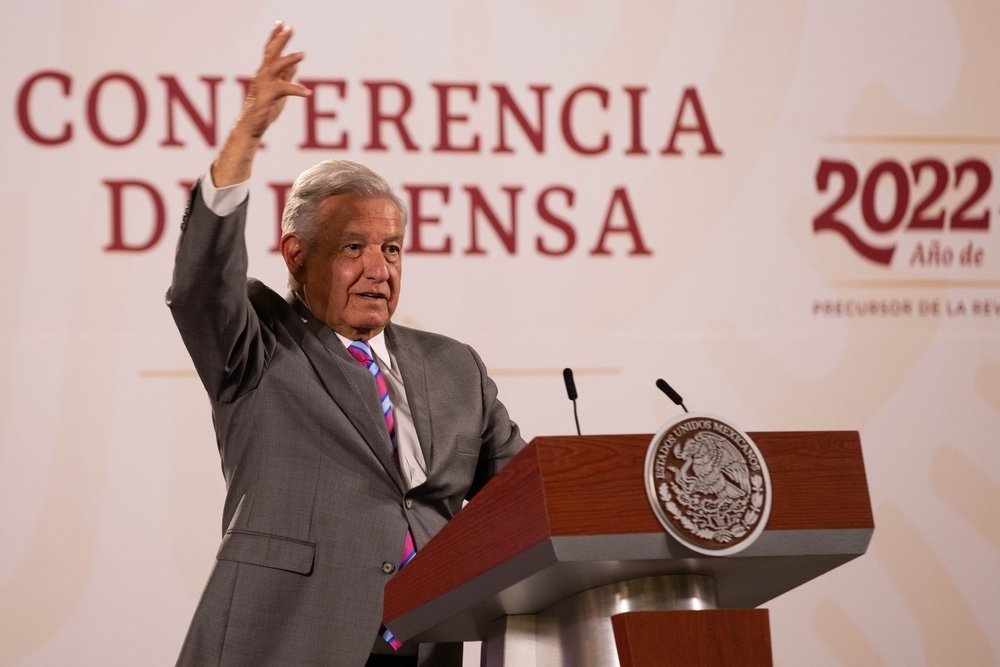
(712,524)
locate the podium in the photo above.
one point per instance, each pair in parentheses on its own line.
(560,560)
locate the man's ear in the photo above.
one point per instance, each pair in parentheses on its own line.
(294,255)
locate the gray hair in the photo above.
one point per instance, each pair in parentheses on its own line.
(326,179)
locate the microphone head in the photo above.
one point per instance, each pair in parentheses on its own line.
(669,391)
(570,385)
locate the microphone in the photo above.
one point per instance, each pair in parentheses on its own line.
(571,393)
(570,385)
(671,394)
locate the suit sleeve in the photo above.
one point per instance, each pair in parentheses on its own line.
(501,436)
(209,303)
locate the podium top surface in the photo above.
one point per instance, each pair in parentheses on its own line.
(571,513)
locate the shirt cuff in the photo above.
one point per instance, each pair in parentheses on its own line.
(222,201)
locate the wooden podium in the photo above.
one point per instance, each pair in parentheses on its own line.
(560,560)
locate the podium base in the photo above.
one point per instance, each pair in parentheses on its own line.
(578,632)
(709,638)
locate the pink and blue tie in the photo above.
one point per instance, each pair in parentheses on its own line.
(360,351)
(363,354)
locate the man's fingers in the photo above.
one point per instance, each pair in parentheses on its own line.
(295,89)
(277,40)
(272,82)
(275,31)
(280,65)
(277,77)
(279,68)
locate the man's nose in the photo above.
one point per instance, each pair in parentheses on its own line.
(376,266)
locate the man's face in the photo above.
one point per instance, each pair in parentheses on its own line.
(350,276)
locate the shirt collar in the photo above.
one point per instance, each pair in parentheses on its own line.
(377,344)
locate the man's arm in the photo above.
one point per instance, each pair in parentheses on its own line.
(501,436)
(208,293)
(265,99)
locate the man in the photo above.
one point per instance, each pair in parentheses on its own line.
(332,466)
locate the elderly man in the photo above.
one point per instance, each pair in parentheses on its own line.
(346,440)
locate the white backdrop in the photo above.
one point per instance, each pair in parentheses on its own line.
(687,166)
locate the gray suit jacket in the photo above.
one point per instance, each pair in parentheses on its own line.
(316,508)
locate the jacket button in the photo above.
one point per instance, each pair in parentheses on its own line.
(388,567)
(409,503)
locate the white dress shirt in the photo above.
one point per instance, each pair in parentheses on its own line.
(411,458)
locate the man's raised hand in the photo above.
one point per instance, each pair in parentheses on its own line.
(272,83)
(269,88)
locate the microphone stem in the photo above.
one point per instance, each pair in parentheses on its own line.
(576,418)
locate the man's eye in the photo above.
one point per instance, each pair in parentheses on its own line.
(393,249)
(353,247)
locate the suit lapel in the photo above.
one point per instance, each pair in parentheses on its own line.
(337,369)
(413,371)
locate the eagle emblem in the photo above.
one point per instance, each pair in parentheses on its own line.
(708,484)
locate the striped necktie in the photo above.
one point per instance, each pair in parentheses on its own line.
(360,351)
(364,356)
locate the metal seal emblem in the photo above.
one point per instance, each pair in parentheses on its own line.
(708,484)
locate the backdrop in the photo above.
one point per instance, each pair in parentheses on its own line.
(786,209)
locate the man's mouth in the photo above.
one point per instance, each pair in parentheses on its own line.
(370,295)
